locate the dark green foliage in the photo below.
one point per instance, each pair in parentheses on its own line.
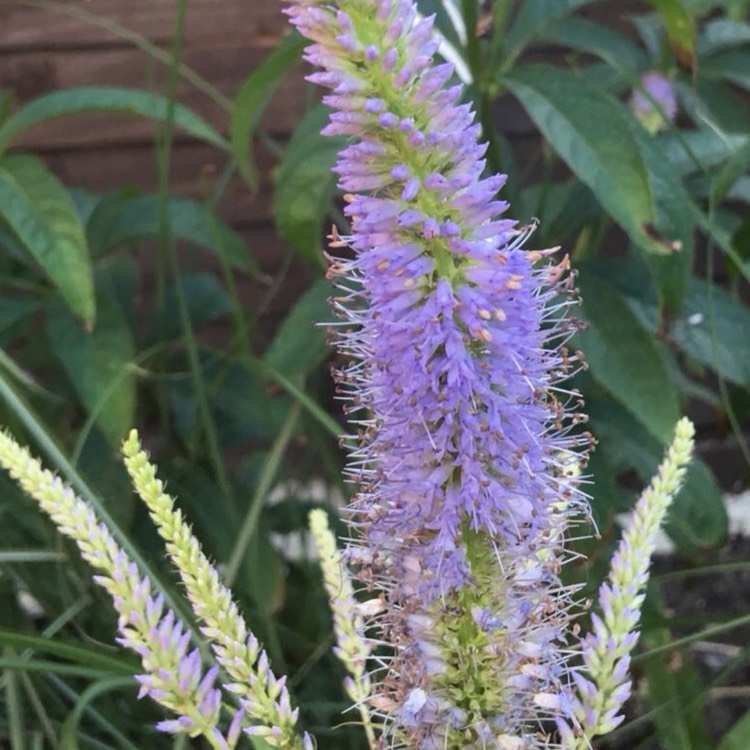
(245,431)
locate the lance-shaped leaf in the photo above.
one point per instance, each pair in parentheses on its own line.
(681,29)
(106,99)
(624,359)
(40,214)
(608,150)
(253,98)
(305,185)
(98,364)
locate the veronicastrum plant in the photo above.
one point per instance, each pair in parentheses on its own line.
(257,704)
(467,456)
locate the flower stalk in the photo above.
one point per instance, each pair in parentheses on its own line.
(604,684)
(352,647)
(263,696)
(456,341)
(172,673)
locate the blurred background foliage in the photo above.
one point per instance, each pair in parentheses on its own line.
(127,308)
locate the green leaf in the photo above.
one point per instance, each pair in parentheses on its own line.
(732,65)
(85,202)
(39,212)
(98,365)
(102,215)
(697,519)
(610,152)
(651,32)
(106,99)
(709,148)
(305,186)
(264,577)
(714,105)
(207,301)
(243,409)
(587,36)
(721,33)
(15,309)
(713,329)
(300,343)
(563,209)
(605,146)
(532,21)
(741,245)
(673,687)
(606,495)
(253,98)
(738,736)
(122,219)
(624,359)
(681,29)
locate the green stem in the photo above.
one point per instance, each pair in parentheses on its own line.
(703,635)
(166,241)
(13,705)
(256,504)
(42,435)
(473,50)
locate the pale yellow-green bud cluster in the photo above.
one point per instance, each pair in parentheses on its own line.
(263,696)
(352,647)
(606,651)
(173,675)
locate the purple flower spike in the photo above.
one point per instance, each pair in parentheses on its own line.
(455,336)
(462,462)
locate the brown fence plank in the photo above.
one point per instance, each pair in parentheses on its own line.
(28,26)
(28,75)
(195,169)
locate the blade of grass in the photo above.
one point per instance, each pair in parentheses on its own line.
(41,714)
(55,667)
(19,639)
(702,635)
(13,705)
(717,569)
(81,655)
(69,730)
(43,437)
(166,242)
(29,556)
(95,716)
(265,482)
(23,378)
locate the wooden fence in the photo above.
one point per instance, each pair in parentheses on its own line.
(46,46)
